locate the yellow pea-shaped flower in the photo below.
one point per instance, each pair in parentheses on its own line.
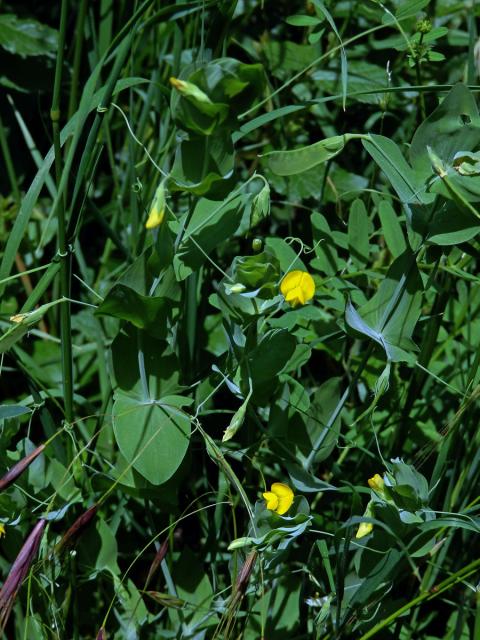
(279,498)
(364,529)
(376,483)
(157,210)
(297,288)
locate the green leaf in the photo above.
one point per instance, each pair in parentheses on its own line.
(452,225)
(318,435)
(211,224)
(265,363)
(392,230)
(12,411)
(327,260)
(359,230)
(390,316)
(203,164)
(402,177)
(257,275)
(143,312)
(453,127)
(366,81)
(152,435)
(410,8)
(26,37)
(136,354)
(303,21)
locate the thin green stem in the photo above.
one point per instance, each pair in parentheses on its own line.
(8,163)
(77,57)
(63,252)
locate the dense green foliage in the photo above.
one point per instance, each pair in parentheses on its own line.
(165,167)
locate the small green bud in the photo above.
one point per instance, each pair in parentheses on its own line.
(237,288)
(257,245)
(423,26)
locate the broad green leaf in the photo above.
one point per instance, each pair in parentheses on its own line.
(144,312)
(136,355)
(26,37)
(211,224)
(359,230)
(288,258)
(12,411)
(390,316)
(402,177)
(265,363)
(410,8)
(256,275)
(452,225)
(203,164)
(152,435)
(327,260)
(392,230)
(193,586)
(285,57)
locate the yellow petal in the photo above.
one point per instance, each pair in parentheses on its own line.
(2,530)
(376,483)
(155,218)
(285,497)
(364,529)
(272,500)
(179,85)
(297,287)
(157,210)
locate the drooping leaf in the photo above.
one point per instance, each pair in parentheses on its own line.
(144,312)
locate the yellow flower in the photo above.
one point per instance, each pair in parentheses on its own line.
(2,530)
(376,483)
(155,218)
(157,211)
(279,498)
(364,529)
(297,287)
